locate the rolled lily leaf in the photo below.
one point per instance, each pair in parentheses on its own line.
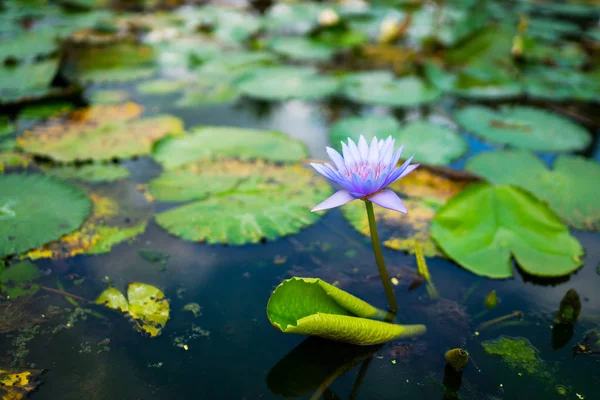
(310,306)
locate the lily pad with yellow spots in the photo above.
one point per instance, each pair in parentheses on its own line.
(99,133)
(15,384)
(147,306)
(236,202)
(424,191)
(113,221)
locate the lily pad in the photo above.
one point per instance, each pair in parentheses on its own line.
(15,384)
(28,220)
(15,281)
(161,86)
(120,62)
(94,173)
(6,127)
(233,65)
(109,97)
(370,126)
(508,222)
(238,202)
(206,142)
(381,88)
(208,90)
(11,159)
(424,191)
(570,188)
(302,49)
(524,127)
(111,222)
(99,133)
(147,306)
(282,83)
(310,306)
(432,144)
(27,81)
(28,45)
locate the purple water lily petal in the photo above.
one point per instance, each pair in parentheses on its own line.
(335,200)
(364,170)
(389,199)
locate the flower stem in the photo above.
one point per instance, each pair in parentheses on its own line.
(385,278)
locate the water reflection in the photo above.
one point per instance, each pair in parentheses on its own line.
(315,364)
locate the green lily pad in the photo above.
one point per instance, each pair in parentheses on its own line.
(94,173)
(310,306)
(236,64)
(27,81)
(570,189)
(109,97)
(431,144)
(120,62)
(561,84)
(370,126)
(6,127)
(508,222)
(16,280)
(381,88)
(147,306)
(293,17)
(552,29)
(238,202)
(28,45)
(282,83)
(423,191)
(161,86)
(525,127)
(11,159)
(207,90)
(39,112)
(99,133)
(302,49)
(28,220)
(228,25)
(205,142)
(110,223)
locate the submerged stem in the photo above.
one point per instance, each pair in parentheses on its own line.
(385,278)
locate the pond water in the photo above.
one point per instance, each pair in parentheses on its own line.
(229,349)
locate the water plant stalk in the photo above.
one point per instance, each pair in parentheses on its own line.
(385,278)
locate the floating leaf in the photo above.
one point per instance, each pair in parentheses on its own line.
(109,97)
(424,192)
(517,353)
(293,17)
(431,144)
(208,89)
(28,45)
(310,306)
(206,142)
(228,25)
(282,83)
(370,126)
(302,49)
(6,127)
(26,82)
(381,88)
(119,62)
(147,306)
(99,133)
(236,64)
(570,188)
(524,127)
(11,159)
(238,202)
(90,173)
(28,220)
(508,222)
(110,223)
(15,384)
(15,281)
(161,86)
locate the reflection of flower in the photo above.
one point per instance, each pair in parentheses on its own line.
(363,172)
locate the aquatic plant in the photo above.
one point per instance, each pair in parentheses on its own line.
(363,173)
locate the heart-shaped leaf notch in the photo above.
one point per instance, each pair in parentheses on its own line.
(310,306)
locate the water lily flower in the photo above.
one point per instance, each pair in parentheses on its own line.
(364,172)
